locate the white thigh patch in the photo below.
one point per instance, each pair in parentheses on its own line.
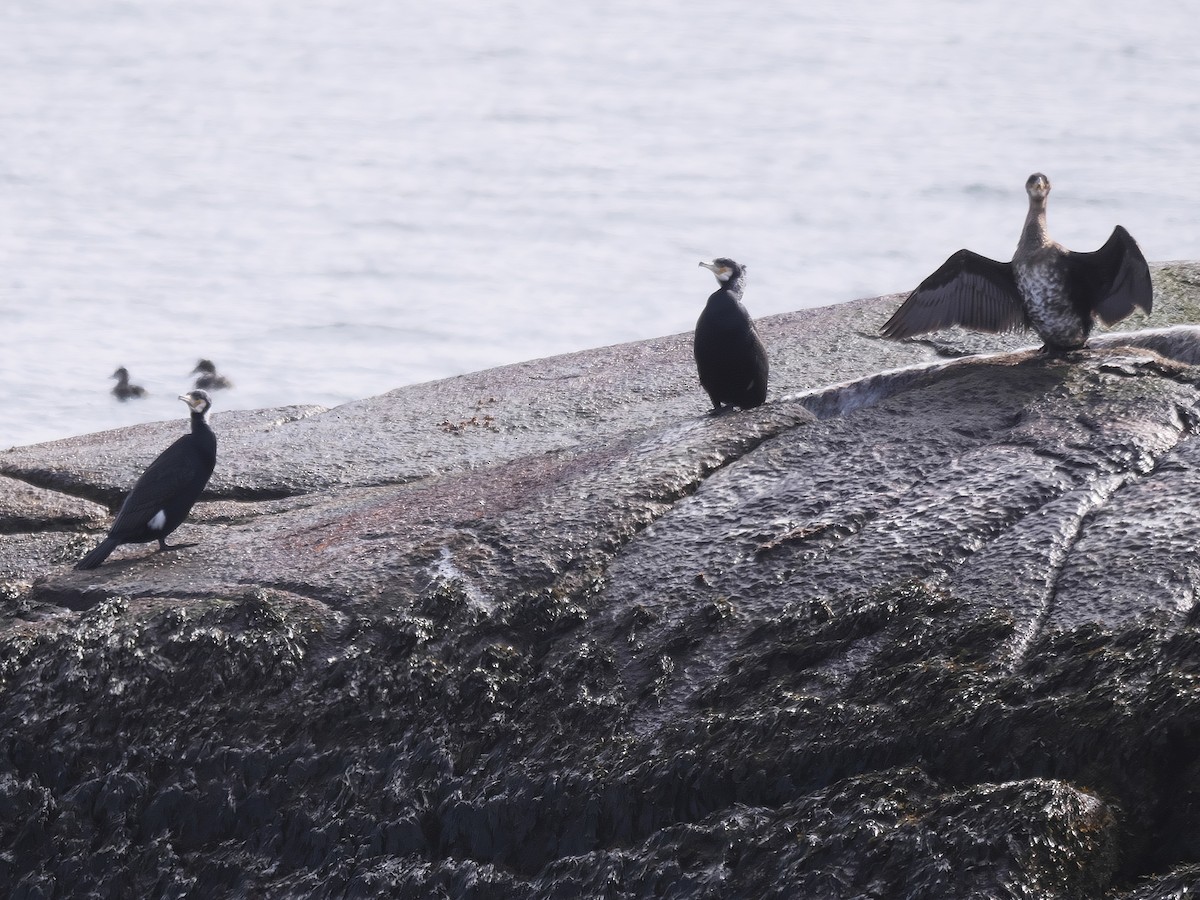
(159,520)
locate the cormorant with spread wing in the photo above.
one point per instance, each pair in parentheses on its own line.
(1046,287)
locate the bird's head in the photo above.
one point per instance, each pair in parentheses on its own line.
(206,366)
(1037,186)
(725,269)
(197,401)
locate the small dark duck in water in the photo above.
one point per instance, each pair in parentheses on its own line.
(208,379)
(168,489)
(730,358)
(1048,288)
(123,390)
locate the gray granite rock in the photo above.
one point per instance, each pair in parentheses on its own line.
(923,625)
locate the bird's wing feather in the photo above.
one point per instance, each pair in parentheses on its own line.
(1114,278)
(722,332)
(968,290)
(175,467)
(749,347)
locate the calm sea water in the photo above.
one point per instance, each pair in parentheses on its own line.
(333,199)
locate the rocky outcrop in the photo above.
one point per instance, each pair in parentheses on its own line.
(924,625)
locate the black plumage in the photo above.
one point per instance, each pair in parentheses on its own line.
(164,495)
(1046,287)
(123,390)
(208,379)
(730,358)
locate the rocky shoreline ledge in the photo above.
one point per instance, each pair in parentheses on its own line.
(924,625)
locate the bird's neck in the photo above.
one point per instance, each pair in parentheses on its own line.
(200,421)
(1034,235)
(733,288)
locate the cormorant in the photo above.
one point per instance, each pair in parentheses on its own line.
(730,358)
(209,380)
(123,389)
(167,490)
(1046,287)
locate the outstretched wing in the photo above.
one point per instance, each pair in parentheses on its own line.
(1113,279)
(968,290)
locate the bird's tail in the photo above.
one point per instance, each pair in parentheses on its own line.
(97,556)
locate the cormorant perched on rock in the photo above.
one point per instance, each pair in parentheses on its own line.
(123,389)
(730,358)
(209,380)
(1046,287)
(167,490)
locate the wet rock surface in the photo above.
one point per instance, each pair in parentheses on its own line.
(924,625)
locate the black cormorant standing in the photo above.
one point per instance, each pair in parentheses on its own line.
(209,380)
(167,490)
(123,389)
(1046,287)
(730,358)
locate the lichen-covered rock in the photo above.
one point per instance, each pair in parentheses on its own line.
(553,631)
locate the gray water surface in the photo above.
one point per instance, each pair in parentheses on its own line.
(333,199)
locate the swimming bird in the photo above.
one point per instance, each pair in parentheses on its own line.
(167,490)
(209,380)
(123,390)
(1046,287)
(730,357)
